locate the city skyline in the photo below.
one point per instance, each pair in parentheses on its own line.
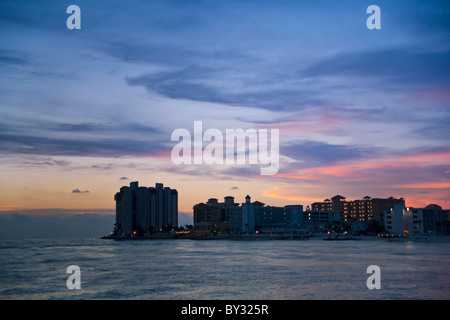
(360,112)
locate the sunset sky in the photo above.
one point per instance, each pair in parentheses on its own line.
(360,112)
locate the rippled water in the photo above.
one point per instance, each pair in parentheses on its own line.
(187,269)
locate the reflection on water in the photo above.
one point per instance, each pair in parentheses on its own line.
(186,269)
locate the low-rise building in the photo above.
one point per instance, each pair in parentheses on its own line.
(365,209)
(401,220)
(228,217)
(214,217)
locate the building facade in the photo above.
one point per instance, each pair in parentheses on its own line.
(401,220)
(143,209)
(365,209)
(213,217)
(322,218)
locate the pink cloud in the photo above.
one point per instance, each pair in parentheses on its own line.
(432,95)
(394,174)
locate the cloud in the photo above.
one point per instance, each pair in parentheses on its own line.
(378,171)
(219,85)
(23,143)
(174,55)
(430,19)
(103,137)
(79,191)
(400,67)
(53,74)
(43,162)
(169,55)
(12,58)
(123,178)
(313,153)
(186,83)
(107,166)
(23,14)
(102,127)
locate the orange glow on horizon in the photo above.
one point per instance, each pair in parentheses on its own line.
(10,207)
(53,187)
(277,193)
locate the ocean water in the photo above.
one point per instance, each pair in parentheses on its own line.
(224,269)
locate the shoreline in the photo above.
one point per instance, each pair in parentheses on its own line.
(257,237)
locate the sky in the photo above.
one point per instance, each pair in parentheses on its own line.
(83,112)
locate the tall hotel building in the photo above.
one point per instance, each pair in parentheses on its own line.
(142,209)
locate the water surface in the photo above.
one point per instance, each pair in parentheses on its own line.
(223,269)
